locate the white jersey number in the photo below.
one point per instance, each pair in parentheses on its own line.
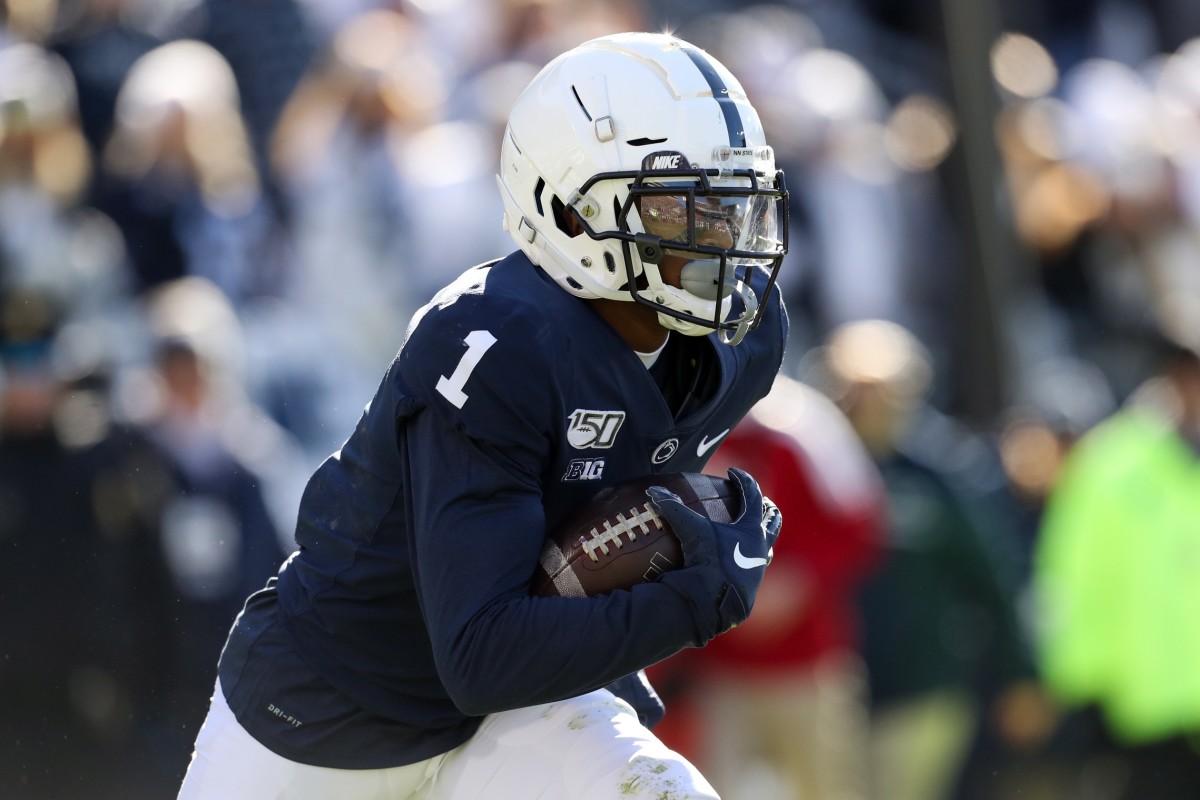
(451,388)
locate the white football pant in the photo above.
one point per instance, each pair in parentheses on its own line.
(586,748)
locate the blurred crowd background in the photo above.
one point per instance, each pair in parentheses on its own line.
(217,216)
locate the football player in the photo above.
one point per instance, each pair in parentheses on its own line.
(399,652)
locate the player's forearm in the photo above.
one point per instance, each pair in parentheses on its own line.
(524,650)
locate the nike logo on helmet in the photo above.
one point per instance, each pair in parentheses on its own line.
(746,562)
(707,444)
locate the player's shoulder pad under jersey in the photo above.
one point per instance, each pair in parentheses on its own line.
(480,351)
(775,316)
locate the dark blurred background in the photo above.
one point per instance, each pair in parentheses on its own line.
(217,216)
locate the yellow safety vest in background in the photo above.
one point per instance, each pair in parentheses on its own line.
(1117,574)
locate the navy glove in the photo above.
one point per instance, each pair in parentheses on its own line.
(733,554)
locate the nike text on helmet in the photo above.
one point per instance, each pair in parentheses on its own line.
(652,147)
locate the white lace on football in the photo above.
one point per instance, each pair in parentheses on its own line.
(628,527)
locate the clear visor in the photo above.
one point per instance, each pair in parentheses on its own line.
(749,224)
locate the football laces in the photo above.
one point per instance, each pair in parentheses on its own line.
(639,520)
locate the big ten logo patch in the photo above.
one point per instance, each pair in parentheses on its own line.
(589,428)
(585,469)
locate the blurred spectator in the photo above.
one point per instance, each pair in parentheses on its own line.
(195,406)
(178,176)
(862,141)
(850,259)
(233,476)
(1116,574)
(87,608)
(268,44)
(26,20)
(1130,31)
(1057,201)
(340,153)
(1103,193)
(782,700)
(49,241)
(100,42)
(1060,402)
(941,606)
(44,162)
(538,30)
(384,193)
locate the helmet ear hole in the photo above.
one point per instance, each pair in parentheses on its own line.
(566,223)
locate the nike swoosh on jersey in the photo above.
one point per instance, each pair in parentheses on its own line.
(707,444)
(746,562)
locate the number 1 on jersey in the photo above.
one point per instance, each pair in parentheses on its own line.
(451,388)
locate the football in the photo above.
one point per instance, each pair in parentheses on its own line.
(617,539)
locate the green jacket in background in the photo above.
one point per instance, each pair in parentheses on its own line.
(1118,572)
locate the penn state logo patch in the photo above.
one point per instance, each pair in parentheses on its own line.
(588,428)
(663,453)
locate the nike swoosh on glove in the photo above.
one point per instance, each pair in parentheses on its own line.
(724,561)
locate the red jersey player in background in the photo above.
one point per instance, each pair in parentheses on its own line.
(780,703)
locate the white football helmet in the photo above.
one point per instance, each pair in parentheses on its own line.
(651,145)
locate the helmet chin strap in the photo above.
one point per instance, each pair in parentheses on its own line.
(748,313)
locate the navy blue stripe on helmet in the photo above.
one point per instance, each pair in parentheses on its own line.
(733,117)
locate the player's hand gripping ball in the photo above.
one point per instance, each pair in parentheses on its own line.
(618,539)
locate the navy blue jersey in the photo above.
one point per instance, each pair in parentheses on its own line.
(405,615)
